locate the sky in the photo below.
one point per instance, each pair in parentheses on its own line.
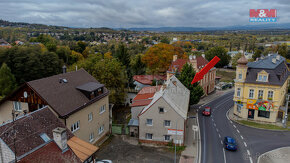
(139,13)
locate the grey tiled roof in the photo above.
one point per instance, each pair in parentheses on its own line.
(278,74)
(266,63)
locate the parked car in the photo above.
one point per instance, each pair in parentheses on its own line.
(206,111)
(230,143)
(103,161)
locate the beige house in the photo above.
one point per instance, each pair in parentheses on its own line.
(164,118)
(76,98)
(197,62)
(260,88)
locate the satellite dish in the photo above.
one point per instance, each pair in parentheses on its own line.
(25,94)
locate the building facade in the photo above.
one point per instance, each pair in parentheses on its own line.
(76,98)
(197,62)
(260,88)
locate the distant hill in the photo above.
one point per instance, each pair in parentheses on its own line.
(199,29)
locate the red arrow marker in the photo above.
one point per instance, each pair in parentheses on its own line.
(199,75)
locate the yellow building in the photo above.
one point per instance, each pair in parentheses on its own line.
(260,88)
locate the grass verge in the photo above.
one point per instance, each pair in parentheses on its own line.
(226,76)
(262,126)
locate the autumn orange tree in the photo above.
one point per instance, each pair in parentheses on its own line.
(159,57)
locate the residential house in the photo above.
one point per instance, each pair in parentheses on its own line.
(142,81)
(163,119)
(4,44)
(76,98)
(260,88)
(197,62)
(41,137)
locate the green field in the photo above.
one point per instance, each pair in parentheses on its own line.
(262,126)
(226,76)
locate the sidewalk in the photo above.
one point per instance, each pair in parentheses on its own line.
(280,155)
(189,155)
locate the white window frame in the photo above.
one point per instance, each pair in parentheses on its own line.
(253,94)
(147,136)
(238,92)
(261,94)
(101,129)
(75,126)
(240,76)
(260,77)
(165,123)
(102,109)
(147,120)
(17,106)
(90,116)
(272,94)
(264,78)
(166,136)
(91,138)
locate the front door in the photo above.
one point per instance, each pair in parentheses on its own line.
(251,113)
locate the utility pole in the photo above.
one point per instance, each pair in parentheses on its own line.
(285,118)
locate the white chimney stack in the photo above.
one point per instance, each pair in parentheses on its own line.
(203,55)
(274,60)
(194,57)
(278,57)
(60,137)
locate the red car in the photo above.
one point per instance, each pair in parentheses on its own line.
(206,111)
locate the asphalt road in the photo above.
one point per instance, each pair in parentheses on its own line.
(251,142)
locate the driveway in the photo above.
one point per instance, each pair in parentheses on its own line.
(125,149)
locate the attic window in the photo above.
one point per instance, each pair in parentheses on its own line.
(262,76)
(62,80)
(44,137)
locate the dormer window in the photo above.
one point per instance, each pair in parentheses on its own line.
(240,76)
(262,76)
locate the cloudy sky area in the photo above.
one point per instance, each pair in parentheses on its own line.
(139,13)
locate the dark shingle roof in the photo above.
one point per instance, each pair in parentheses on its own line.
(90,87)
(28,130)
(266,63)
(65,98)
(277,75)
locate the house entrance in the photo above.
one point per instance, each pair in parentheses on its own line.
(251,113)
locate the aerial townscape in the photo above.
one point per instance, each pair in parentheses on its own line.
(144,82)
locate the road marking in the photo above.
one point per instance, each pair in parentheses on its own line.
(242,137)
(227,115)
(222,142)
(245,144)
(212,119)
(199,107)
(251,161)
(248,152)
(231,121)
(238,131)
(235,126)
(219,135)
(224,155)
(214,125)
(217,130)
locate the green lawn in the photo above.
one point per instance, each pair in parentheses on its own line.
(226,76)
(262,126)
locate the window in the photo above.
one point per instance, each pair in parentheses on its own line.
(17,106)
(75,126)
(265,114)
(91,137)
(166,137)
(44,137)
(161,110)
(166,123)
(239,92)
(240,76)
(260,78)
(251,94)
(270,95)
(101,129)
(102,109)
(148,136)
(264,78)
(90,116)
(149,122)
(260,94)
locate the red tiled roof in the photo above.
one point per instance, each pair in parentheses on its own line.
(144,96)
(177,65)
(147,79)
(51,153)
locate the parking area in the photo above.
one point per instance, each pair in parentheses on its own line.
(123,149)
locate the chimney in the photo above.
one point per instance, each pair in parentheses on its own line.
(193,61)
(174,58)
(64,69)
(194,57)
(278,57)
(274,60)
(60,137)
(203,55)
